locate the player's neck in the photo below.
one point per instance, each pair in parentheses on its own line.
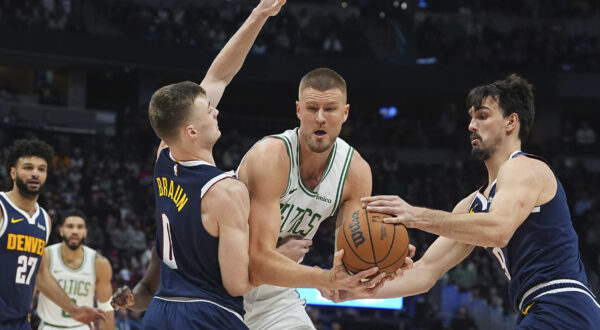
(313,165)
(71,258)
(499,157)
(25,203)
(184,155)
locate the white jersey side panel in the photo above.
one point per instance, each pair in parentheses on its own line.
(302,211)
(79,284)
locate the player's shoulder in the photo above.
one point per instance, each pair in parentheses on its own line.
(268,155)
(526,165)
(270,146)
(227,188)
(358,163)
(101,260)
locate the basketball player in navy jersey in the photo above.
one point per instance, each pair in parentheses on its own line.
(520,216)
(24,232)
(202,212)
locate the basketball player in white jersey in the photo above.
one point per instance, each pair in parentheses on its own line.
(296,180)
(81,272)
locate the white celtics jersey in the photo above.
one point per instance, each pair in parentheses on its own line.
(79,284)
(302,211)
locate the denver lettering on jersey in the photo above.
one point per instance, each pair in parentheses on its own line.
(167,188)
(25,243)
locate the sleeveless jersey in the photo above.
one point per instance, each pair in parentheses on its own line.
(303,209)
(79,284)
(543,253)
(22,243)
(189,254)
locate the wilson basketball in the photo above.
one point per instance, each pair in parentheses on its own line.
(369,242)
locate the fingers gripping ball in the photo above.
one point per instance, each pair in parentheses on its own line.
(369,242)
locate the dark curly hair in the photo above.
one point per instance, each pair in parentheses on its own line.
(28,148)
(72,213)
(514,95)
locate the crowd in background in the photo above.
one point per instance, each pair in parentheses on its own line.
(535,33)
(112,183)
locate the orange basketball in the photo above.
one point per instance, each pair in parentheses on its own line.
(369,242)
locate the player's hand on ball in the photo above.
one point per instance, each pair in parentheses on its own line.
(341,279)
(294,247)
(270,7)
(122,298)
(408,263)
(87,315)
(403,213)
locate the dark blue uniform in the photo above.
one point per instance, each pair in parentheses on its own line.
(547,281)
(22,243)
(191,293)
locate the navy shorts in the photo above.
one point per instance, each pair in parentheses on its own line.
(563,310)
(162,314)
(16,324)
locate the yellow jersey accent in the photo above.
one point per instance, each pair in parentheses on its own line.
(13,220)
(527,308)
(167,188)
(25,243)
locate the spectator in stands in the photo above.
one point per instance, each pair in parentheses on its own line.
(462,321)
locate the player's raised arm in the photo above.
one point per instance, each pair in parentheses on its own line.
(229,204)
(104,291)
(230,59)
(265,171)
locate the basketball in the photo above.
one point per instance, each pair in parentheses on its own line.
(369,242)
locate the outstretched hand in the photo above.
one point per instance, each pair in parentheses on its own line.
(401,212)
(270,7)
(87,315)
(122,298)
(361,292)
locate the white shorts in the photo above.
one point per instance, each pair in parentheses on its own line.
(275,308)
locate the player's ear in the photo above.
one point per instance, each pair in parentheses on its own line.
(189,131)
(298,109)
(346,111)
(13,173)
(512,121)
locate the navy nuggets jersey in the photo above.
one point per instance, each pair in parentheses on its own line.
(542,257)
(22,243)
(189,254)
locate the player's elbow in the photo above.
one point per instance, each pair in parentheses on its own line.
(257,268)
(502,238)
(238,287)
(256,276)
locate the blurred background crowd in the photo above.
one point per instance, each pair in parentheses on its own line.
(79,74)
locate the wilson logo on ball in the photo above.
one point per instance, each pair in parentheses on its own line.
(357,234)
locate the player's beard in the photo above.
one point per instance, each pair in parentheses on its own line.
(484,153)
(72,246)
(25,191)
(314,145)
